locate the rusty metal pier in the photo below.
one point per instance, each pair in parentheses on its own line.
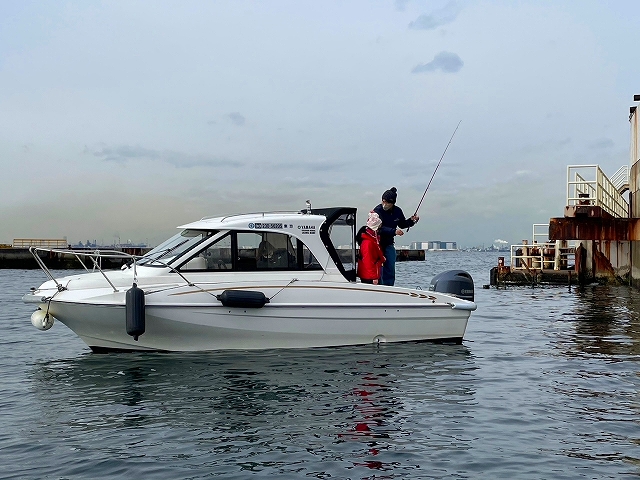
(538,262)
(600,228)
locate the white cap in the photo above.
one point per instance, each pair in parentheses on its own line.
(374,222)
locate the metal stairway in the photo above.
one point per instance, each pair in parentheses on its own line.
(620,179)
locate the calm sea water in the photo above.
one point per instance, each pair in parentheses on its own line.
(545,385)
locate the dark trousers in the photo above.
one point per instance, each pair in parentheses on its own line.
(388,271)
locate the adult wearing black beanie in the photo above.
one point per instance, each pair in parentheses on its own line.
(393,221)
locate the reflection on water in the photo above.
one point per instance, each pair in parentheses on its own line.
(355,405)
(607,320)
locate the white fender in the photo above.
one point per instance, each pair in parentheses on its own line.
(42,320)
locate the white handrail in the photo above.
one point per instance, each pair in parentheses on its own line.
(588,185)
(540,256)
(537,234)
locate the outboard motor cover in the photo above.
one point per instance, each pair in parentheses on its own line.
(454,282)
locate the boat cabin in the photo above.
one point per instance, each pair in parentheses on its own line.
(314,239)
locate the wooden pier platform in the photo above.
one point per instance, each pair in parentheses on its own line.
(504,276)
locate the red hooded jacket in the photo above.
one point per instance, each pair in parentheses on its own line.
(371,257)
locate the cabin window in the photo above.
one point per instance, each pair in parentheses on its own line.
(175,246)
(266,251)
(216,256)
(254,251)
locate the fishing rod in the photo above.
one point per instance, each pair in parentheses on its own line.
(434,172)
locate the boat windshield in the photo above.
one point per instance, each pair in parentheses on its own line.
(174,247)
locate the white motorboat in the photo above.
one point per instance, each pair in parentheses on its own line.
(251,281)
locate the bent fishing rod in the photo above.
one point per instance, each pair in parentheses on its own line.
(434,172)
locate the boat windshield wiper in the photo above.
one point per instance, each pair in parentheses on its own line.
(162,254)
(169,250)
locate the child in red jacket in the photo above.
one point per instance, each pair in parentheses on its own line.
(371,257)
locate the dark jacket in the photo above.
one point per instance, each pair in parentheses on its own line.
(392,219)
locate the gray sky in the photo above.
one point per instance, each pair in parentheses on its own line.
(126,119)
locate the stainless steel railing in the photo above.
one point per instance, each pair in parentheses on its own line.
(95,257)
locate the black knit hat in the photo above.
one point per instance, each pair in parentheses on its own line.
(390,195)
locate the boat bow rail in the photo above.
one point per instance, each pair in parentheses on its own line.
(94,256)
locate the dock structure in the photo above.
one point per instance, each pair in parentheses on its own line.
(602,220)
(598,238)
(540,261)
(409,255)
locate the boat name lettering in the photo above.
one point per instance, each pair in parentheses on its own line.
(265,225)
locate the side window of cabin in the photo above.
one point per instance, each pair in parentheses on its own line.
(274,251)
(215,257)
(254,251)
(246,259)
(259,251)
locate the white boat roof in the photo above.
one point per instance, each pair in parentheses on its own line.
(275,221)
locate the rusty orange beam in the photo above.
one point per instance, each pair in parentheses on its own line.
(594,228)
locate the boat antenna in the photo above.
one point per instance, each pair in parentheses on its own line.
(434,172)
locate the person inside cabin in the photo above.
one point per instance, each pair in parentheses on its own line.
(265,254)
(371,257)
(393,221)
(276,252)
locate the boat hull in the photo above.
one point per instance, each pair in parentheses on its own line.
(215,327)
